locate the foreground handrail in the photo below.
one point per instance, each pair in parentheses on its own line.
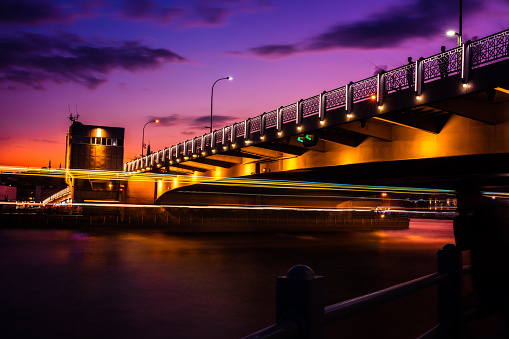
(300,311)
(348,307)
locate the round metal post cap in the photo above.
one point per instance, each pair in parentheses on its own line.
(300,272)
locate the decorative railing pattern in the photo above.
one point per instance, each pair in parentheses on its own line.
(310,106)
(270,119)
(240,129)
(255,124)
(399,78)
(228,133)
(477,54)
(490,49)
(336,98)
(218,137)
(289,113)
(208,138)
(442,65)
(364,89)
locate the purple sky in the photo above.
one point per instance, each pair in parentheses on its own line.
(125,62)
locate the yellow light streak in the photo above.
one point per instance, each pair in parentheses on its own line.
(502,90)
(220,181)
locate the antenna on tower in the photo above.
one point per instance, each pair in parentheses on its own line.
(73,119)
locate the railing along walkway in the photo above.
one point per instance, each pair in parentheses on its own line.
(299,301)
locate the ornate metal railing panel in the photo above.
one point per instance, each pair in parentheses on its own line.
(336,98)
(255,124)
(289,113)
(181,149)
(489,49)
(198,145)
(310,106)
(399,78)
(364,89)
(208,139)
(219,137)
(270,119)
(189,147)
(442,65)
(240,128)
(228,133)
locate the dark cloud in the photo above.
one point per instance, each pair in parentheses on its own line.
(218,121)
(149,9)
(30,12)
(275,50)
(194,122)
(388,28)
(33,59)
(189,13)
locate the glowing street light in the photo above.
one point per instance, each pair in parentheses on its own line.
(453,33)
(143,135)
(212,98)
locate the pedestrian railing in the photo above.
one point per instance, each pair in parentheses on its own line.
(299,301)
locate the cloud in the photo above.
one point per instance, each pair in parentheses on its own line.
(46,141)
(29,12)
(189,13)
(388,28)
(200,122)
(149,9)
(34,59)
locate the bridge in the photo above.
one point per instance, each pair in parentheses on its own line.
(430,122)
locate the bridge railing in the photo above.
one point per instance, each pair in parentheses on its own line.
(299,301)
(458,60)
(490,49)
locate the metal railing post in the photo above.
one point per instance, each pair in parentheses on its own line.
(450,305)
(300,297)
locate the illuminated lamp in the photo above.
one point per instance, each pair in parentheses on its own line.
(203,153)
(380,107)
(262,137)
(418,97)
(465,85)
(279,133)
(322,122)
(299,128)
(373,97)
(349,115)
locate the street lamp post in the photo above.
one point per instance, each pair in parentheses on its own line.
(460,32)
(212,98)
(143,135)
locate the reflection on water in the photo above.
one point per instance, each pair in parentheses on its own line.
(64,284)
